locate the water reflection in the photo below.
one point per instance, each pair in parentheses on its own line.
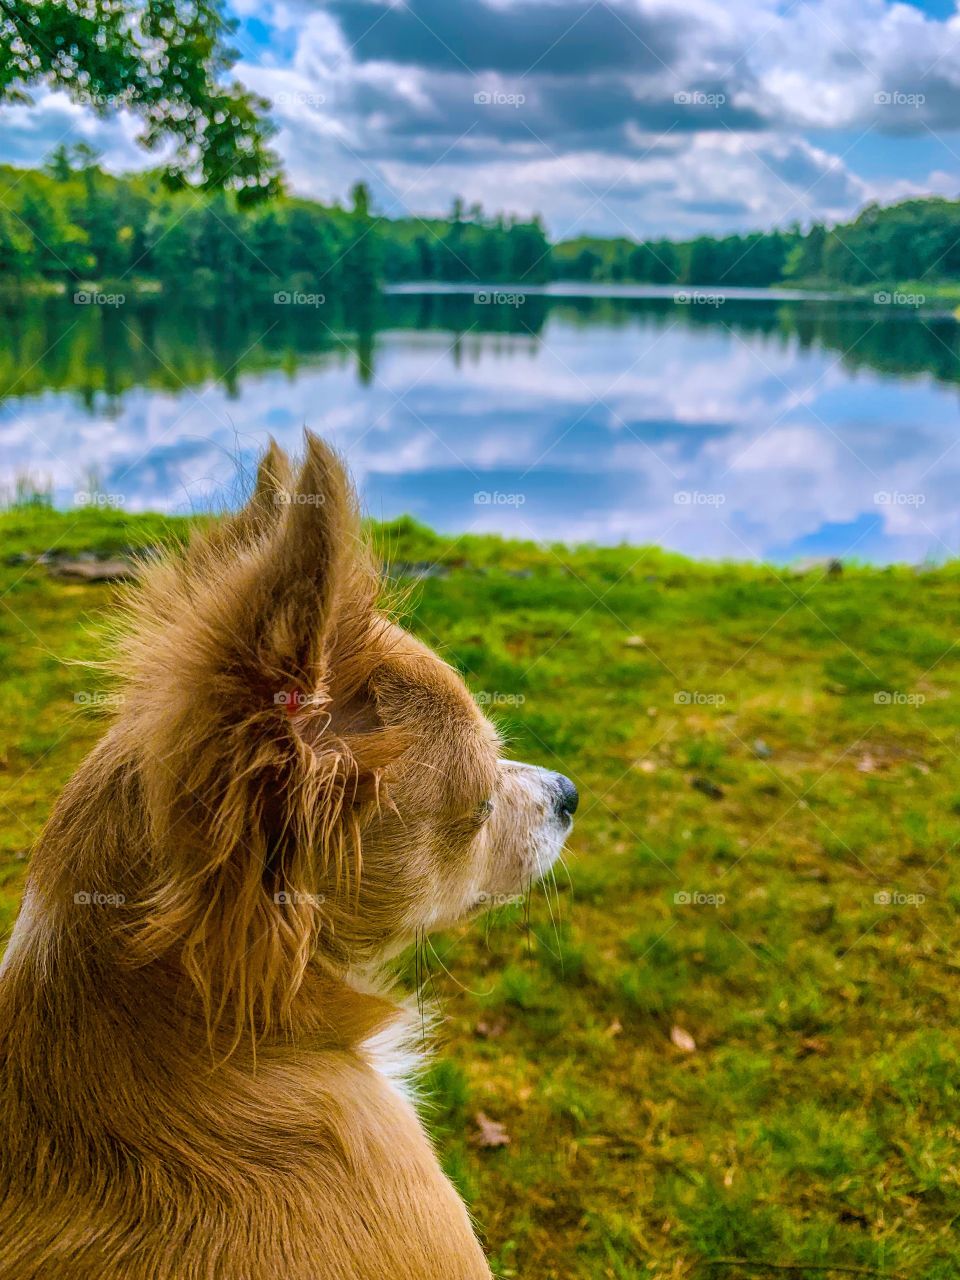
(747,429)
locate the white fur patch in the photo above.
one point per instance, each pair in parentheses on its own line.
(396,1053)
(27,921)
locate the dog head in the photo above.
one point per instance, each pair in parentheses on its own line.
(318,782)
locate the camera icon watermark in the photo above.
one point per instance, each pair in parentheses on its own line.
(498,298)
(697,698)
(97,698)
(289,498)
(94,498)
(94,298)
(894,898)
(696,98)
(494,698)
(897,298)
(306,99)
(105,101)
(699,298)
(494,498)
(297,298)
(495,98)
(895,498)
(293,898)
(897,698)
(94,898)
(695,498)
(897,98)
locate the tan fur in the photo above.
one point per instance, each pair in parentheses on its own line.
(189,1059)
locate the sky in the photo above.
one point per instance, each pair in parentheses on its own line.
(638,118)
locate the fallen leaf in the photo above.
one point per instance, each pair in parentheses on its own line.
(813,1044)
(614,1028)
(490,1133)
(634,642)
(683,1040)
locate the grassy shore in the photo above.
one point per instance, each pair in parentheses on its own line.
(730,1032)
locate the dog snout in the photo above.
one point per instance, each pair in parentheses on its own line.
(567,797)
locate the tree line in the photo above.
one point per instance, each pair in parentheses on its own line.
(72,222)
(915,241)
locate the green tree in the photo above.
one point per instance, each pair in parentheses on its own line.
(166,61)
(361,261)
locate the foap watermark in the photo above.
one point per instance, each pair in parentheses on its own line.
(494,498)
(695,898)
(699,298)
(494,698)
(497,98)
(894,498)
(897,698)
(895,898)
(291,498)
(294,699)
(697,98)
(498,298)
(307,98)
(896,298)
(297,298)
(96,498)
(897,98)
(694,498)
(294,898)
(105,101)
(94,298)
(97,698)
(697,698)
(94,898)
(500,899)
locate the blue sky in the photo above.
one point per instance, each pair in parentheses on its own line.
(616,117)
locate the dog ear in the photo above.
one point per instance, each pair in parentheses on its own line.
(259,744)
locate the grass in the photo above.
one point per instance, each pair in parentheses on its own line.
(764,860)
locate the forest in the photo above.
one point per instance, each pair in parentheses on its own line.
(71,223)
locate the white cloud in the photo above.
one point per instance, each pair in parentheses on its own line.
(600,148)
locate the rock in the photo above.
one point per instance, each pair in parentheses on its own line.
(93,570)
(711,789)
(683,1040)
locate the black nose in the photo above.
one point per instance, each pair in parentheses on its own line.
(567,796)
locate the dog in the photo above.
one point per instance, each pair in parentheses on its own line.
(203,1075)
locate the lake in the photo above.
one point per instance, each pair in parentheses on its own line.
(721,424)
